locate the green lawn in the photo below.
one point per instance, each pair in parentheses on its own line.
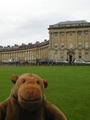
(68,87)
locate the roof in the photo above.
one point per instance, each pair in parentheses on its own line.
(71,22)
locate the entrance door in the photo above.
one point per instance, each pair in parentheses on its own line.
(70,58)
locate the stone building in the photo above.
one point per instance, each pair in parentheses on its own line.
(30,52)
(68,40)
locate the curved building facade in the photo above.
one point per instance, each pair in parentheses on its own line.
(68,40)
(29,52)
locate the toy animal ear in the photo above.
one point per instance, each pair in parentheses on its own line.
(14,78)
(45,83)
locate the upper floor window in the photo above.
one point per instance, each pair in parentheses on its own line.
(80,33)
(79,44)
(62,34)
(71,34)
(25,52)
(62,45)
(56,34)
(86,44)
(55,45)
(71,44)
(86,33)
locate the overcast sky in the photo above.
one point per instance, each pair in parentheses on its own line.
(26,21)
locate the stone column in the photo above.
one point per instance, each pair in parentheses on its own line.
(83,54)
(58,44)
(21,56)
(65,54)
(83,46)
(76,40)
(89,40)
(58,40)
(76,54)
(52,40)
(0,57)
(83,39)
(41,54)
(65,41)
(89,46)
(30,54)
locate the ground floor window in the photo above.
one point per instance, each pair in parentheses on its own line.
(62,55)
(55,56)
(86,55)
(80,55)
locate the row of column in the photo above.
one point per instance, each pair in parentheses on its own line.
(51,39)
(25,55)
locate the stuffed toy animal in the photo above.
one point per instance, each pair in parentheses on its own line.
(27,101)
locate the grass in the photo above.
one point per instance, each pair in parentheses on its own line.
(68,88)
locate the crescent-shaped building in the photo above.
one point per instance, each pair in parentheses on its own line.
(68,40)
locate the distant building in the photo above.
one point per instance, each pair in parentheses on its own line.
(30,52)
(68,40)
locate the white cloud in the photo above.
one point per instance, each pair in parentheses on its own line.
(25,21)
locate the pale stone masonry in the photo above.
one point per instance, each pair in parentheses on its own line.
(68,40)
(25,52)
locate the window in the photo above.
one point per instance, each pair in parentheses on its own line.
(79,33)
(80,55)
(79,44)
(62,34)
(55,45)
(71,45)
(86,44)
(55,51)
(70,33)
(86,55)
(55,56)
(62,45)
(56,34)
(86,33)
(62,55)
(25,52)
